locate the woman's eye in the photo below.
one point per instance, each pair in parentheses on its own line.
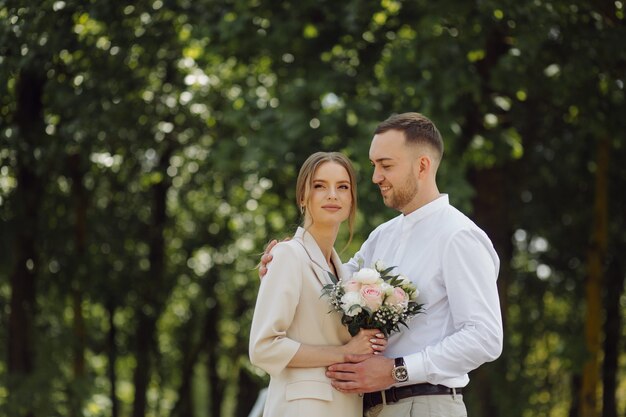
(344,187)
(318,186)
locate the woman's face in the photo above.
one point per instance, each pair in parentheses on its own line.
(330,196)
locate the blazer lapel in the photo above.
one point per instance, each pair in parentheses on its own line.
(341,273)
(318,262)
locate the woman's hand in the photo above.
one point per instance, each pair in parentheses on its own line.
(367,341)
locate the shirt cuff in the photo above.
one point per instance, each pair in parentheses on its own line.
(416,367)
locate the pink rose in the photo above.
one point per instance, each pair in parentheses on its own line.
(373,296)
(351,285)
(397,298)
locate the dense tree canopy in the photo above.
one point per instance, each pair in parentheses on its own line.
(148,151)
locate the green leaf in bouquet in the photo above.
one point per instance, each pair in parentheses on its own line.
(385,331)
(327,290)
(368,311)
(353,307)
(393,280)
(354,328)
(386,271)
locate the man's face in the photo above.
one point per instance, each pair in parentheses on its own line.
(394,169)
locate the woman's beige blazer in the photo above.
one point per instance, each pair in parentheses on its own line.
(290,311)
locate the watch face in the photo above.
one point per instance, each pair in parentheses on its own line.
(400,374)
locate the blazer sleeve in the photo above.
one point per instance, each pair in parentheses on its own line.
(270,349)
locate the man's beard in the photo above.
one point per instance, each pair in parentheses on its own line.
(403,195)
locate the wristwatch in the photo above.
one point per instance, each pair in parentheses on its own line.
(399,371)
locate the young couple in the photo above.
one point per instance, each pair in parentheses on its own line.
(316,368)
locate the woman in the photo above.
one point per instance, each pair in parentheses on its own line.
(293,335)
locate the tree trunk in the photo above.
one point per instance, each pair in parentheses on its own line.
(184,404)
(76,390)
(574,409)
(616,275)
(612,330)
(79,334)
(491,214)
(593,289)
(146,327)
(112,357)
(80,233)
(247,390)
(28,195)
(247,393)
(213,350)
(155,290)
(490,209)
(216,385)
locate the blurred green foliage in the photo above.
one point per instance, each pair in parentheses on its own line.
(148,151)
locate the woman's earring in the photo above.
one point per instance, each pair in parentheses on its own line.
(302,209)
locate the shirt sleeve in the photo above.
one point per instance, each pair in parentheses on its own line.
(270,349)
(469,269)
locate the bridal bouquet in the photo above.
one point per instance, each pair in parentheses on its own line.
(374,298)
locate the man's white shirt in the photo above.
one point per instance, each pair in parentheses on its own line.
(455,267)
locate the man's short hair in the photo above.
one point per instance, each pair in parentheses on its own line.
(418,129)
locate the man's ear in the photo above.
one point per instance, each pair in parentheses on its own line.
(424,164)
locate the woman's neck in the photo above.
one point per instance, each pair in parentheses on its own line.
(325,237)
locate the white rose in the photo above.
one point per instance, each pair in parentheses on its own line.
(367,276)
(386,288)
(349,300)
(380,265)
(406,284)
(415,294)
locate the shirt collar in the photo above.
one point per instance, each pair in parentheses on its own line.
(426,210)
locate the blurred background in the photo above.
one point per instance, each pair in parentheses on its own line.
(148,151)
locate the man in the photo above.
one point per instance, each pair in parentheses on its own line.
(453,264)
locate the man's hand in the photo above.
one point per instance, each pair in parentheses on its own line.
(362,373)
(266,258)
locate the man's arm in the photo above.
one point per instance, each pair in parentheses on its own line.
(470,269)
